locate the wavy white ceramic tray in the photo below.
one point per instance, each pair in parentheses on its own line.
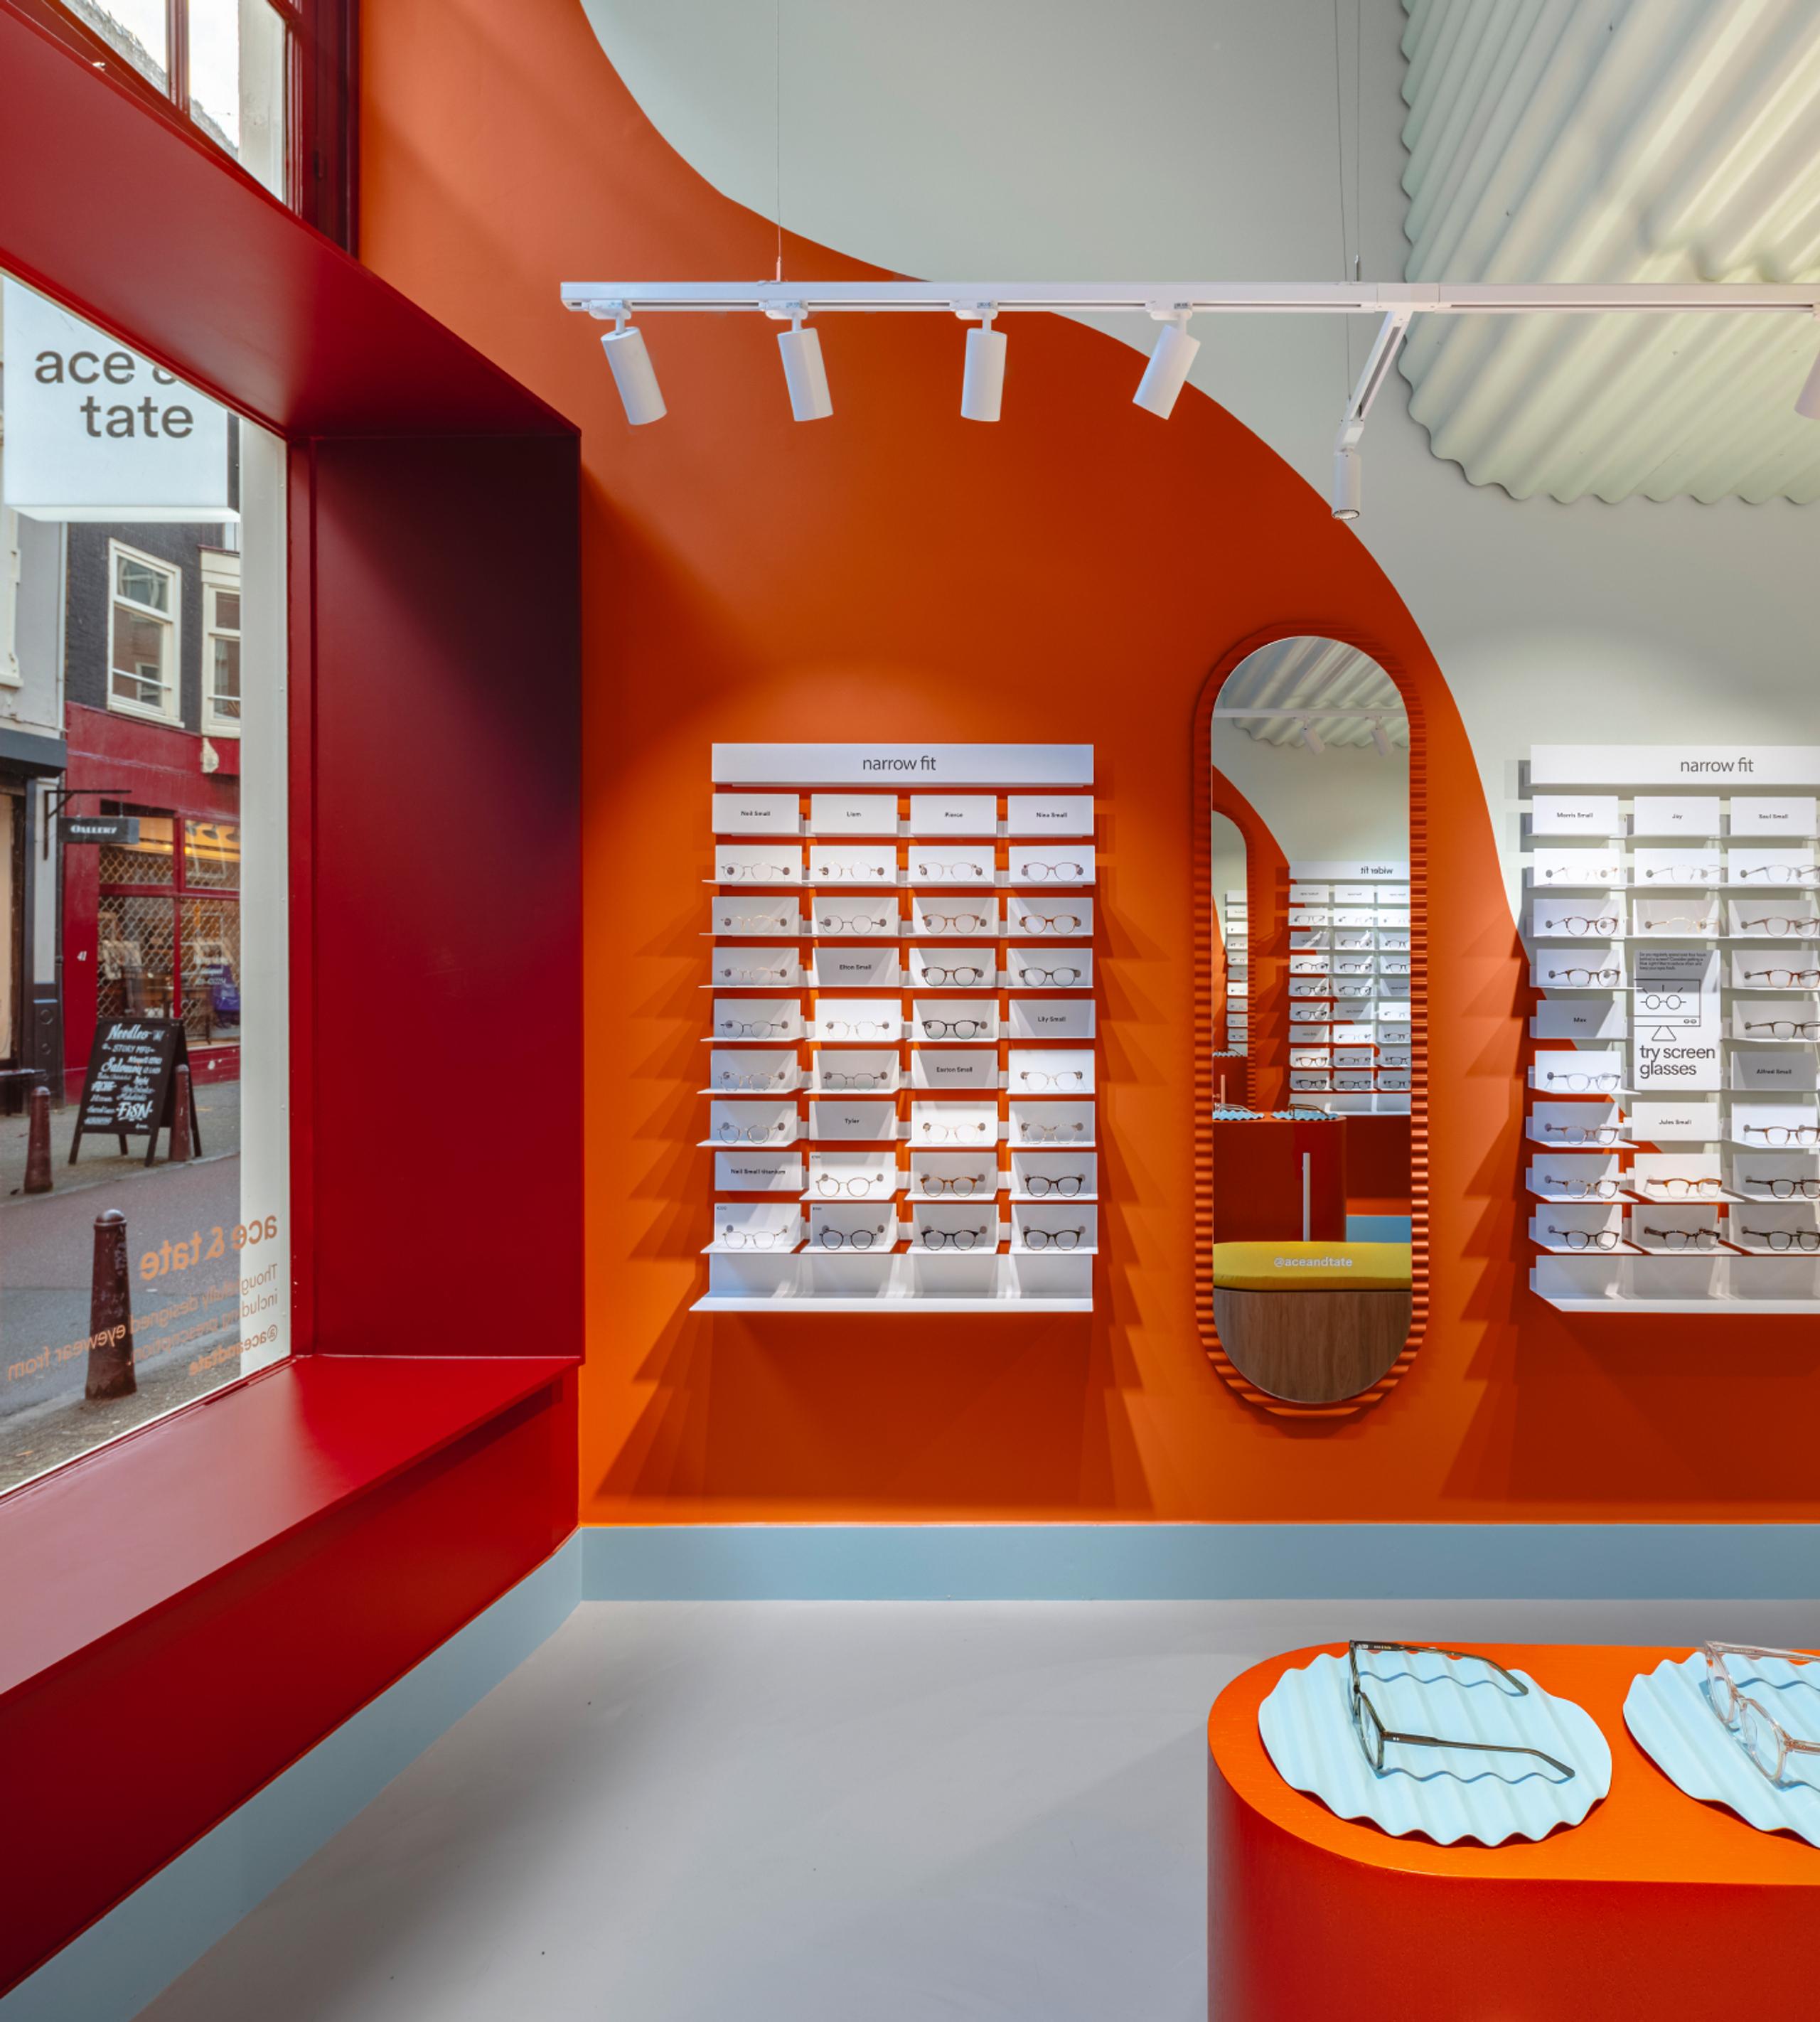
(1667,1710)
(1307,1730)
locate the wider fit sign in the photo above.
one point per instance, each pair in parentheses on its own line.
(95,431)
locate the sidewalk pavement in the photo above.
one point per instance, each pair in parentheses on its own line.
(217,1104)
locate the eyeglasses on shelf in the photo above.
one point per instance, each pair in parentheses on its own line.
(1684,1239)
(1784,1133)
(1057,979)
(1785,1028)
(1053,1239)
(860,1028)
(1049,1133)
(858,923)
(956,1028)
(1679,1189)
(1578,1084)
(1066,873)
(727,1078)
(1067,1184)
(1605,924)
(1050,923)
(832,1185)
(750,1134)
(877,1078)
(960,1183)
(1779,874)
(755,873)
(1685,873)
(1067,1077)
(1678,923)
(954,1238)
(747,1028)
(757,1238)
(952,1133)
(1787,1239)
(957,923)
(1576,1134)
(1585,1238)
(1786,1189)
(1782,978)
(1763,1739)
(1374,1737)
(1778,926)
(1584,1189)
(848,1239)
(752,923)
(953,871)
(962,977)
(753,975)
(1583,978)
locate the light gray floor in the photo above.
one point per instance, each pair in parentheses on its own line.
(821,1813)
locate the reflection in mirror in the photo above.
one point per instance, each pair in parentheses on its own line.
(1308,758)
(1231,959)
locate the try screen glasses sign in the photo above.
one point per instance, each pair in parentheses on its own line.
(95,431)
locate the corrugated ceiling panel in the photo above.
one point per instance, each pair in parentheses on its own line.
(1341,689)
(1615,141)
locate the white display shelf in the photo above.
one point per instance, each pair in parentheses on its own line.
(726,986)
(1626,1302)
(798,932)
(902,831)
(1054,1200)
(765,1144)
(894,1303)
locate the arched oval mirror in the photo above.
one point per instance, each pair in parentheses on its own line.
(1313,972)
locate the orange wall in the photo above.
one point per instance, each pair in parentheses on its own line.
(1069,575)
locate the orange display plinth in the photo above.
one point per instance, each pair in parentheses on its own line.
(1657,1907)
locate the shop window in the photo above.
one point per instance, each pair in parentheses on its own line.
(221,644)
(143,634)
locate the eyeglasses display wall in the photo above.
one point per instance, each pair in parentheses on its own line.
(1671,915)
(903,1043)
(1235,916)
(1348,1037)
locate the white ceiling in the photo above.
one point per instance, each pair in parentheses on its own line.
(1615,141)
(1342,692)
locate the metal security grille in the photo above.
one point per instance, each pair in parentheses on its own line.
(136,955)
(211,957)
(173,950)
(146,861)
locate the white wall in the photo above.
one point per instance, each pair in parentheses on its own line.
(1046,139)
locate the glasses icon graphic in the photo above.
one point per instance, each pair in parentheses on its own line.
(1585,1239)
(1582,978)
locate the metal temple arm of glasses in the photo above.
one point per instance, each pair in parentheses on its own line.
(1481,1748)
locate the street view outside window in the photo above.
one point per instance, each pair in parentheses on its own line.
(144,1236)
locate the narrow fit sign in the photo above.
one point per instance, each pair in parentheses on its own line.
(95,431)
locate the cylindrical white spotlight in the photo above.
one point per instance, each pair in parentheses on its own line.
(1381,737)
(1311,737)
(983,381)
(639,393)
(1809,402)
(804,375)
(1348,483)
(1167,369)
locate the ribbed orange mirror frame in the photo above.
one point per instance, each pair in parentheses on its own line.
(1213,794)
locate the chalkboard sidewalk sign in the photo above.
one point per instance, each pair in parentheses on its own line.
(131,1088)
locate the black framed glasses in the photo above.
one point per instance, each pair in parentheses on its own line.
(956,1028)
(1678,1189)
(1585,1239)
(1065,874)
(1787,1189)
(1375,1739)
(1785,1028)
(1576,1134)
(1787,1239)
(1053,1239)
(959,1183)
(1784,1133)
(1056,979)
(955,1238)
(1683,1238)
(1783,979)
(848,1239)
(1067,1184)
(1584,1189)
(1578,1084)
(1606,923)
(1583,978)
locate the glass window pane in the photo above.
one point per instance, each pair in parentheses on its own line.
(148,861)
(136,29)
(227,610)
(211,854)
(237,78)
(144,584)
(139,655)
(224,696)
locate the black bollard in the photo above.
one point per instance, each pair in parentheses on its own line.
(182,1124)
(111,1313)
(38,1144)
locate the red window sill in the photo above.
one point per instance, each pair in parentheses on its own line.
(123,1532)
